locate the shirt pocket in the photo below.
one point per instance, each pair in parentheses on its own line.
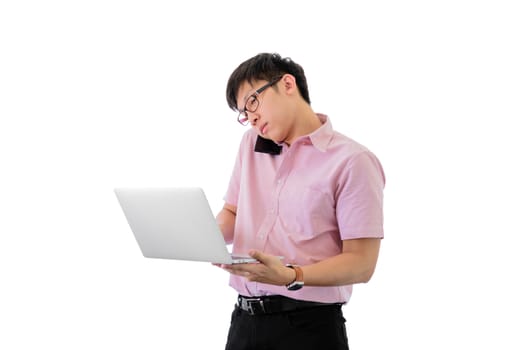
(308,214)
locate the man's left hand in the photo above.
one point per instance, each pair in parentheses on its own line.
(269,269)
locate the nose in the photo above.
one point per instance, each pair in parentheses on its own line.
(252,117)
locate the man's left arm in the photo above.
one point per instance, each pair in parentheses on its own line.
(355,264)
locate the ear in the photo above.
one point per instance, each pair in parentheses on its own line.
(290,84)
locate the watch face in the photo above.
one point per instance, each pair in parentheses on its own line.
(295,286)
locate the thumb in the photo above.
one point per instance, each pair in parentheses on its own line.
(256,254)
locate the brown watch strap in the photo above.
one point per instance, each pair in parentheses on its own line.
(299,273)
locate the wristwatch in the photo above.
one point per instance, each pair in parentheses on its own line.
(299,279)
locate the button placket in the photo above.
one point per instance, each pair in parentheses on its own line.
(273,209)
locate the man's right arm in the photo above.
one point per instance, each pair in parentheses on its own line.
(226,221)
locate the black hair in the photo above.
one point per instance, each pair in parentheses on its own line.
(265,66)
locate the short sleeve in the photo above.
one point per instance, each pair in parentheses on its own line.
(360,199)
(233,190)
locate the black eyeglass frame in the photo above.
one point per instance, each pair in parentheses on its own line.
(242,117)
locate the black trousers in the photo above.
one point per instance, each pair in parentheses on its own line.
(319,328)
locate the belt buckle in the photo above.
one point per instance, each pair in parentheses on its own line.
(255,306)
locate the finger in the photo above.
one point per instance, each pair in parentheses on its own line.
(236,270)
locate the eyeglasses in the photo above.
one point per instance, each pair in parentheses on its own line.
(253,102)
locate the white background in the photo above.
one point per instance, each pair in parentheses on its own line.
(100,94)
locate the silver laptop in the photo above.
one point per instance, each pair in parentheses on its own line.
(175,223)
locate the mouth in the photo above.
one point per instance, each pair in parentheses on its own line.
(263,129)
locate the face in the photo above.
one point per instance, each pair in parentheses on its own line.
(262,107)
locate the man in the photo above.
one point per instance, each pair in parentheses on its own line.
(306,202)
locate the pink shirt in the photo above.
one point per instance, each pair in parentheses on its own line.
(301,204)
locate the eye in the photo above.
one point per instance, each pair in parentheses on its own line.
(251,103)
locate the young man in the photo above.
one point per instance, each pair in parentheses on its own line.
(306,202)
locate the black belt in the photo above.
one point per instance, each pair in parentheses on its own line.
(275,304)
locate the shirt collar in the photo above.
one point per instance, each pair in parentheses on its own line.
(320,138)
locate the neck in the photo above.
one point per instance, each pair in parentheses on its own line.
(306,121)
